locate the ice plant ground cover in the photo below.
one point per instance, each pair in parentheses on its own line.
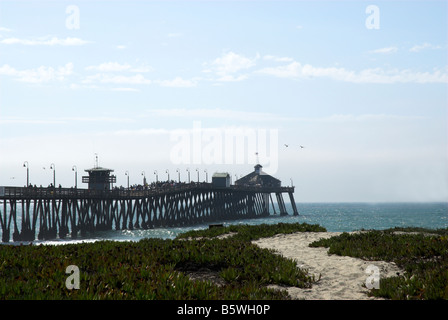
(159,269)
(422,253)
(149,269)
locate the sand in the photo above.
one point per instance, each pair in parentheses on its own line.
(342,278)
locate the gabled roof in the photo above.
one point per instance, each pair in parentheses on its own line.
(98,169)
(258,177)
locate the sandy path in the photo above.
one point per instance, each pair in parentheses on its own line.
(342,277)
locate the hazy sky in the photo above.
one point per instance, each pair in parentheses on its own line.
(164,85)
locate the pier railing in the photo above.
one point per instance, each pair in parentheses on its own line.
(51,192)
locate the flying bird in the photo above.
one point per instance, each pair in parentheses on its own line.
(286,145)
(301,147)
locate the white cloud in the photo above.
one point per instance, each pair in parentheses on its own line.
(387,50)
(374,75)
(178,82)
(344,118)
(218,113)
(277,59)
(141,69)
(116,79)
(17,120)
(125,89)
(418,48)
(8,70)
(140,132)
(47,42)
(229,65)
(109,66)
(61,120)
(241,115)
(231,78)
(121,47)
(3,29)
(291,70)
(39,75)
(117,67)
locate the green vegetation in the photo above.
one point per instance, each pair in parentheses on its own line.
(160,269)
(153,268)
(422,253)
(249,233)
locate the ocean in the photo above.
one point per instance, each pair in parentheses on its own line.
(335,217)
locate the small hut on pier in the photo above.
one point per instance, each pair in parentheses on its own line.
(221,180)
(99,178)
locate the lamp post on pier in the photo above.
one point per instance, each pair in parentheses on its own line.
(178,174)
(206,175)
(168,172)
(25,164)
(157,177)
(197,170)
(53,167)
(188,170)
(127,174)
(144,178)
(76,176)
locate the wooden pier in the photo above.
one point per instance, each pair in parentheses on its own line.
(51,213)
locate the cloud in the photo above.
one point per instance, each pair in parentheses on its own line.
(178,82)
(106,76)
(228,65)
(137,79)
(3,29)
(297,70)
(61,120)
(231,63)
(345,118)
(117,67)
(140,132)
(116,79)
(125,89)
(387,50)
(109,66)
(47,42)
(291,70)
(217,113)
(41,74)
(241,115)
(121,47)
(418,48)
(277,59)
(232,78)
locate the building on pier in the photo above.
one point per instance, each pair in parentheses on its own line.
(99,178)
(258,178)
(221,180)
